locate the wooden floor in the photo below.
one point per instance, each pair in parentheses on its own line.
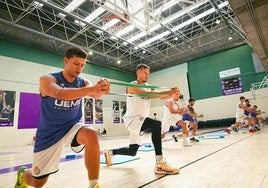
(238,160)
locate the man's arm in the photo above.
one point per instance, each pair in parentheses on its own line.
(158,94)
(49,87)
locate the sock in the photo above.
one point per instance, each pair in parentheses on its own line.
(184,137)
(92,183)
(158,158)
(110,152)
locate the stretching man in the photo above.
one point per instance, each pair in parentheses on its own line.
(60,122)
(190,118)
(137,121)
(241,119)
(171,117)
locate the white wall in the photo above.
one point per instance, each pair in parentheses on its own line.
(18,75)
(22,76)
(170,77)
(212,108)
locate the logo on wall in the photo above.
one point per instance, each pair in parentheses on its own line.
(232,86)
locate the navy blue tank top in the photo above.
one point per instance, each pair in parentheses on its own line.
(187,117)
(57,116)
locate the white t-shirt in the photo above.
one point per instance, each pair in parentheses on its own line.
(239,115)
(138,108)
(169,119)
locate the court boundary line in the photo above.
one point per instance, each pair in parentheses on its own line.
(195,161)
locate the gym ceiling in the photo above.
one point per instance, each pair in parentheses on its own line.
(119,34)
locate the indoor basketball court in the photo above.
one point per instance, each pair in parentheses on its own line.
(211,51)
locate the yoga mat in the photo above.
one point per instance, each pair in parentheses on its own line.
(210,137)
(146,148)
(119,159)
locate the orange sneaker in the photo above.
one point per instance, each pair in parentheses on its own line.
(164,168)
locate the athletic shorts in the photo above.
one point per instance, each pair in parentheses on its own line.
(47,161)
(133,124)
(167,123)
(240,119)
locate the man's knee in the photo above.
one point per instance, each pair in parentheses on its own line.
(87,135)
(133,149)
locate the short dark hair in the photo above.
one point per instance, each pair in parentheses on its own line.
(242,97)
(191,99)
(77,51)
(142,66)
(247,100)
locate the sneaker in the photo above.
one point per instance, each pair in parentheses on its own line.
(164,168)
(96,186)
(175,138)
(252,130)
(227,131)
(108,158)
(20,181)
(235,129)
(194,139)
(257,128)
(186,143)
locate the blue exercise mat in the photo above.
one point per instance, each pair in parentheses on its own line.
(216,133)
(146,148)
(119,159)
(210,137)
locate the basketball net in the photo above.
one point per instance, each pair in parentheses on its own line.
(114,23)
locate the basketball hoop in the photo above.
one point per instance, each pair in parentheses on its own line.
(118,23)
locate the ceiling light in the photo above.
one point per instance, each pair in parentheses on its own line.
(37,4)
(164,7)
(118,62)
(73,5)
(61,15)
(168,20)
(157,37)
(90,52)
(176,38)
(94,14)
(124,43)
(230,38)
(78,22)
(125,30)
(218,21)
(210,11)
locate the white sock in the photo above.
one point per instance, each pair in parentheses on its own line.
(158,158)
(92,183)
(184,137)
(110,152)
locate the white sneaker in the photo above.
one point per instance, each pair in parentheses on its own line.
(186,142)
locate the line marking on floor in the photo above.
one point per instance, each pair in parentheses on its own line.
(196,161)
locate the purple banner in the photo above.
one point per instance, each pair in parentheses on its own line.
(98,111)
(232,86)
(116,113)
(7,105)
(88,110)
(123,107)
(29,110)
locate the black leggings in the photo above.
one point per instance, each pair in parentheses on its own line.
(149,124)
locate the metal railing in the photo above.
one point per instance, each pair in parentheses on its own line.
(255,87)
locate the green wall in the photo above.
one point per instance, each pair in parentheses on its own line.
(203,73)
(17,51)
